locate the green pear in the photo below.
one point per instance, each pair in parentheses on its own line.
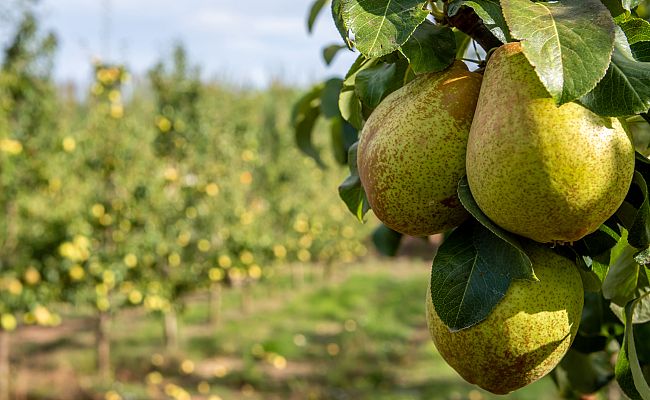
(525,335)
(552,174)
(411,152)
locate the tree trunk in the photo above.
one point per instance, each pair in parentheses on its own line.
(4,365)
(170,319)
(328,271)
(297,275)
(215,304)
(246,300)
(103,343)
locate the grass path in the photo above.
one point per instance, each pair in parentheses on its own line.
(360,335)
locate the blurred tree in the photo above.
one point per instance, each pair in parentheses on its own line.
(28,230)
(171,216)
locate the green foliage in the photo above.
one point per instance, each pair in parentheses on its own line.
(490,13)
(27,118)
(471,276)
(431,48)
(351,191)
(381,27)
(593,52)
(386,240)
(570,55)
(624,89)
(118,201)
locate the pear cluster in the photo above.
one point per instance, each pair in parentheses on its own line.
(550,174)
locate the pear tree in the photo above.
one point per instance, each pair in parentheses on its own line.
(545,265)
(29,159)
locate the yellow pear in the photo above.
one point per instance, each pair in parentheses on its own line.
(411,151)
(525,335)
(552,174)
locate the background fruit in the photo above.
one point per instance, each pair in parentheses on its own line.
(412,151)
(526,334)
(547,173)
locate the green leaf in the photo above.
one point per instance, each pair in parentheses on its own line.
(568,42)
(641,313)
(628,370)
(641,51)
(349,102)
(490,13)
(614,7)
(625,88)
(592,277)
(343,137)
(382,26)
(600,267)
(630,4)
(315,9)
(330,52)
(386,240)
(351,191)
(590,280)
(642,164)
(597,243)
(637,31)
(462,43)
(643,257)
(375,83)
(303,119)
(639,232)
(471,273)
(329,98)
(597,317)
(350,106)
(339,22)
(642,341)
(431,48)
(621,280)
(580,373)
(468,201)
(597,325)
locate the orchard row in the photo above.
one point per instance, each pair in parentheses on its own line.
(139,196)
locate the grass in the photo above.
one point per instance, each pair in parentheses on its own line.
(361,335)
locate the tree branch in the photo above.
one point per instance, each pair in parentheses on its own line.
(468,22)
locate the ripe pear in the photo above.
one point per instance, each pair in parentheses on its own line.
(525,335)
(411,152)
(552,174)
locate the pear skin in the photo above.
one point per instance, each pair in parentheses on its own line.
(552,174)
(527,333)
(412,149)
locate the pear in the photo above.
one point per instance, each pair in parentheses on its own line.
(552,174)
(525,335)
(411,151)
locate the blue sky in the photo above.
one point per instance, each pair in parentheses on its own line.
(238,41)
